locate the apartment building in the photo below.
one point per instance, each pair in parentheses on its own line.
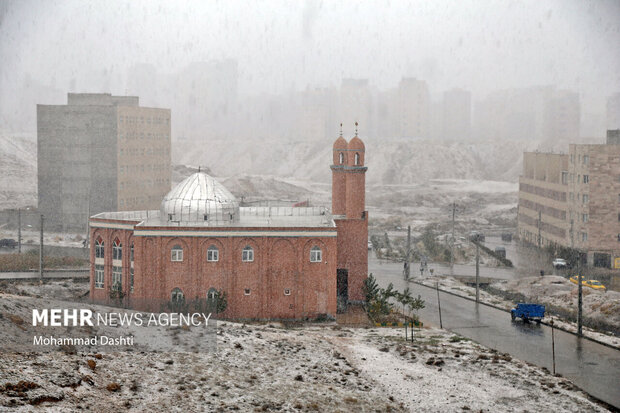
(573,200)
(100,153)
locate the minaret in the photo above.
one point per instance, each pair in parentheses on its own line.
(356,178)
(350,215)
(340,151)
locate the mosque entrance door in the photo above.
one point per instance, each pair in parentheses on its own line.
(342,288)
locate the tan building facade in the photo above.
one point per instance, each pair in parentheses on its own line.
(100,153)
(573,200)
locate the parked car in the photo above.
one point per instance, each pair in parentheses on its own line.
(8,243)
(369,245)
(595,284)
(506,236)
(500,251)
(527,312)
(476,236)
(560,263)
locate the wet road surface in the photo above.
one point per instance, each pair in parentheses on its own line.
(591,366)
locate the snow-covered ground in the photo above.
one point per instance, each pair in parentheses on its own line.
(266,367)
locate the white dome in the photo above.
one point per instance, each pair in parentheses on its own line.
(199,199)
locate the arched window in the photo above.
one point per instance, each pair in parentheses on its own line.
(248,254)
(341,158)
(213,254)
(316,255)
(177,296)
(99,248)
(117,250)
(357,158)
(176,253)
(212,300)
(131,268)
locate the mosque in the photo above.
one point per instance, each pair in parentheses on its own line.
(270,262)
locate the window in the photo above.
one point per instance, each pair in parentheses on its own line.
(117,250)
(131,279)
(212,294)
(99,248)
(584,217)
(586,159)
(247,255)
(316,254)
(287,291)
(584,236)
(206,217)
(341,158)
(131,253)
(98,276)
(246,291)
(357,158)
(586,179)
(117,277)
(619,217)
(572,196)
(585,198)
(213,254)
(177,296)
(564,177)
(618,237)
(176,253)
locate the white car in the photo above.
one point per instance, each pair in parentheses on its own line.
(560,263)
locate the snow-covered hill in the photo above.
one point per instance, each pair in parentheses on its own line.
(389,162)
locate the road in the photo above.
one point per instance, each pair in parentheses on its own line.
(591,366)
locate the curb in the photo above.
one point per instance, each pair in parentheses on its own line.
(399,324)
(507,311)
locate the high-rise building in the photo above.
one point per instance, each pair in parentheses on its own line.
(100,153)
(539,113)
(457,114)
(613,111)
(414,108)
(356,104)
(574,200)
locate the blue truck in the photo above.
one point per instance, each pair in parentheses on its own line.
(527,312)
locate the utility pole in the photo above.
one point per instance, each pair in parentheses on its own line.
(19,231)
(452,241)
(439,304)
(41,250)
(539,224)
(408,255)
(477,272)
(579,296)
(552,345)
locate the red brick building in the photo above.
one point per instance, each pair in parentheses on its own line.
(272,262)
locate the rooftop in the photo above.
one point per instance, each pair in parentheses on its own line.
(251,217)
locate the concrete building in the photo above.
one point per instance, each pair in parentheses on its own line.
(574,200)
(414,108)
(456,117)
(613,111)
(540,113)
(100,153)
(270,262)
(356,103)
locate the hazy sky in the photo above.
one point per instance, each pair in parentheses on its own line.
(478,45)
